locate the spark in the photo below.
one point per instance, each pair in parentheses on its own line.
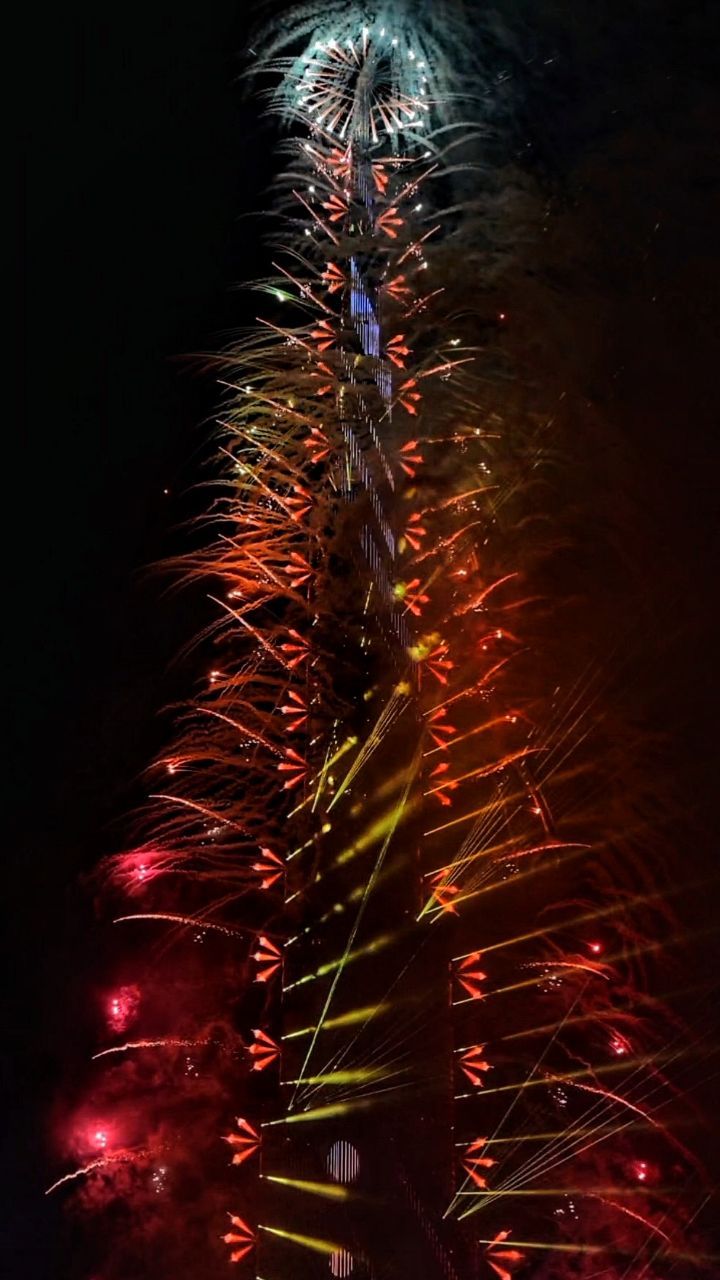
(170,1042)
(191,921)
(102,1162)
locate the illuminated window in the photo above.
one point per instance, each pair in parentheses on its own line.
(343,1165)
(363,313)
(341,1263)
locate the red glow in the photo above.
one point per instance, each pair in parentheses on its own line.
(474,1065)
(265,1051)
(503,1261)
(646,1172)
(122,1008)
(444,893)
(247,1142)
(268,958)
(98,1138)
(136,868)
(474,1161)
(619,1045)
(270,866)
(470,976)
(243,1236)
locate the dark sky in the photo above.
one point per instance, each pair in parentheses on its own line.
(140,160)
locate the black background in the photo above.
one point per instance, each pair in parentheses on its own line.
(140,162)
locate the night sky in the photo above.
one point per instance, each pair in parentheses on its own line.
(143,165)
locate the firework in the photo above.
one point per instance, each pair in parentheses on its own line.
(362,865)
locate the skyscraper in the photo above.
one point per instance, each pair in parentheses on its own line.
(363,1013)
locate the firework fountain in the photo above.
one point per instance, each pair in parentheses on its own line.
(386,1016)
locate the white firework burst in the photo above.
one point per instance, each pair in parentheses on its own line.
(411,58)
(374,82)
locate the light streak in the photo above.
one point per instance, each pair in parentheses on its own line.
(350,1019)
(348,957)
(325,1190)
(353,933)
(355,1075)
(314,1243)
